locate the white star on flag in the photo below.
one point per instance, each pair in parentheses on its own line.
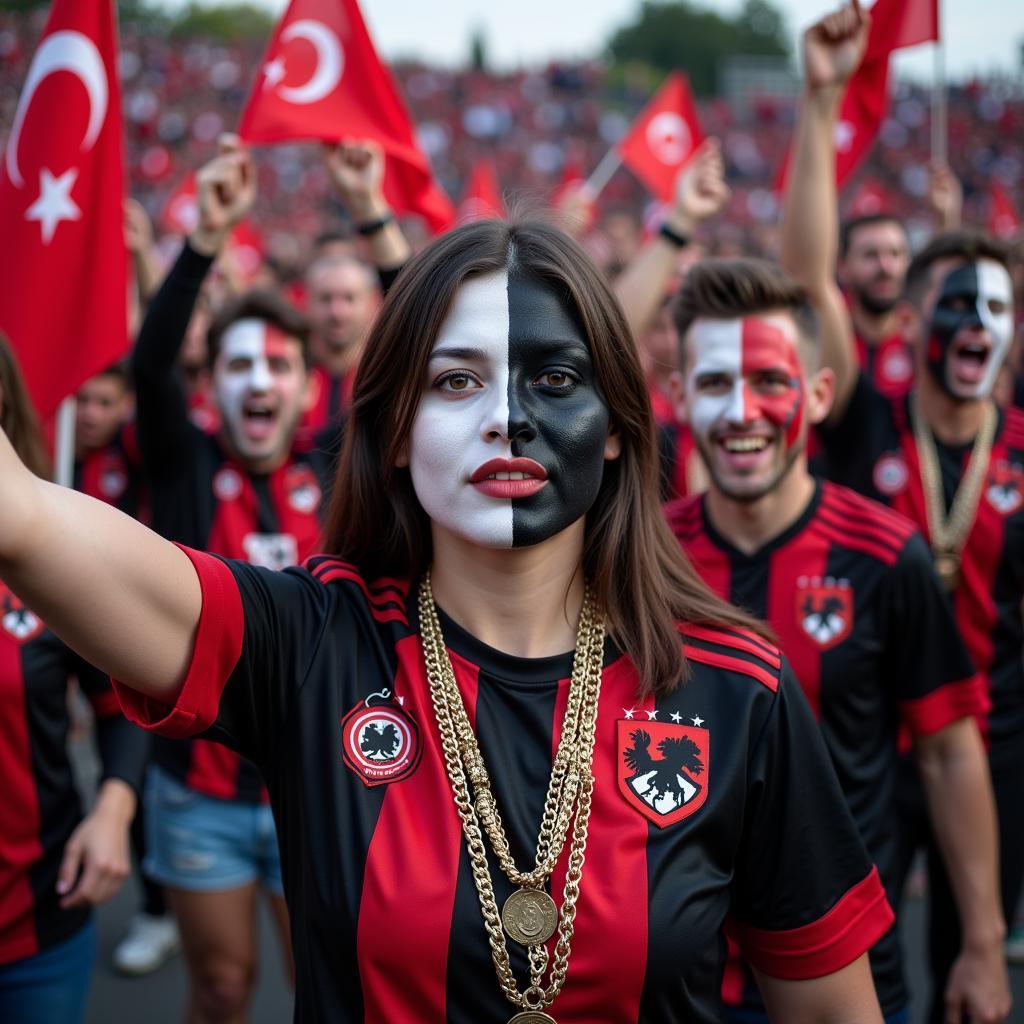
(273,72)
(676,717)
(652,716)
(697,721)
(844,135)
(54,203)
(629,712)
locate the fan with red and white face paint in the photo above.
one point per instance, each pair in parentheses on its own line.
(511,435)
(745,400)
(261,385)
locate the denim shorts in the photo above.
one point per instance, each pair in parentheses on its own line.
(50,986)
(197,843)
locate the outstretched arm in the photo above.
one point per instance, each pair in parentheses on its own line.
(125,599)
(846,996)
(701,192)
(833,48)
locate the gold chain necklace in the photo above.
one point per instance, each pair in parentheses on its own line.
(529,915)
(949,533)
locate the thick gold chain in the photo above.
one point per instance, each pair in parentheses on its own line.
(948,534)
(568,798)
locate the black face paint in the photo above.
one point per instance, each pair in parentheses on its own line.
(557,415)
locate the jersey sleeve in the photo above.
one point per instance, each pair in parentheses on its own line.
(806,900)
(929,670)
(257,635)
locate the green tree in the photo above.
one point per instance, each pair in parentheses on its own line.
(224,21)
(669,34)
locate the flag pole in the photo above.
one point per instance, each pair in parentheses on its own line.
(64,467)
(603,173)
(940,134)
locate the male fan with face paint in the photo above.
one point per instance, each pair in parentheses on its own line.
(949,460)
(846,584)
(244,494)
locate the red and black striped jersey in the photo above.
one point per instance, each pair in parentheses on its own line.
(873,451)
(203,498)
(40,807)
(889,364)
(114,474)
(850,592)
(714,806)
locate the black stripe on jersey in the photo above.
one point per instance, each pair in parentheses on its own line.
(266,515)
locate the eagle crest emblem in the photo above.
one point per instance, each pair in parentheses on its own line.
(380,741)
(824,609)
(663,769)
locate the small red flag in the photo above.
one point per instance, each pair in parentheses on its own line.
(181,211)
(322,79)
(1003,219)
(663,137)
(62,295)
(483,194)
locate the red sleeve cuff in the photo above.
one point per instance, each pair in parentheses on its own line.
(860,918)
(217,650)
(104,705)
(934,711)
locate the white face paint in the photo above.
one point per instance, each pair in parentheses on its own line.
(995,286)
(462,421)
(717,347)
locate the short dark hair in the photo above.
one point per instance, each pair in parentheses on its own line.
(258,304)
(121,371)
(854,224)
(966,245)
(729,289)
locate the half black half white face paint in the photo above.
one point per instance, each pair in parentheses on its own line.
(971,329)
(508,445)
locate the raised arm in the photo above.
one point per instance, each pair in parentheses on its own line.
(846,996)
(125,599)
(833,48)
(701,192)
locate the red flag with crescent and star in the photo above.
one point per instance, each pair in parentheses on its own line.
(322,79)
(63,293)
(663,137)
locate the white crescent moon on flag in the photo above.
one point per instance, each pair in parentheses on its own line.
(330,61)
(63,51)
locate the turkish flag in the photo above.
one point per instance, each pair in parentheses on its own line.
(663,137)
(1003,219)
(63,287)
(181,211)
(483,194)
(322,79)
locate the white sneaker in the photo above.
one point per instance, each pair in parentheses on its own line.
(150,943)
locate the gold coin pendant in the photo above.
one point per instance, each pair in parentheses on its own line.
(947,565)
(532,1017)
(530,917)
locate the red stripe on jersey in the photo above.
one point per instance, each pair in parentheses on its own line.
(19,811)
(382,608)
(745,668)
(947,704)
(419,806)
(616,851)
(734,976)
(104,705)
(213,770)
(377,586)
(857,534)
(218,648)
(865,511)
(885,554)
(741,640)
(860,918)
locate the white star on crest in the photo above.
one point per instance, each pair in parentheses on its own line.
(676,717)
(273,72)
(54,203)
(844,135)
(401,702)
(652,716)
(697,721)
(629,712)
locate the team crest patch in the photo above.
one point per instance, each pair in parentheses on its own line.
(227,484)
(1005,487)
(17,620)
(380,741)
(303,489)
(824,609)
(890,474)
(663,769)
(271,550)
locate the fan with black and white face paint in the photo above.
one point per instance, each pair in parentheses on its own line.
(971,329)
(511,435)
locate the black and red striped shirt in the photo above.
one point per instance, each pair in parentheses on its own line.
(114,474)
(873,450)
(888,364)
(318,675)
(850,592)
(204,498)
(40,806)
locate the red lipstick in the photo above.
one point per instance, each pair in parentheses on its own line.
(492,478)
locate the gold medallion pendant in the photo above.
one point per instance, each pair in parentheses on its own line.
(947,565)
(532,1017)
(530,917)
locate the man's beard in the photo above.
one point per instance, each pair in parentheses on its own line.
(875,305)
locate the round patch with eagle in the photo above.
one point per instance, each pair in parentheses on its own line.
(380,742)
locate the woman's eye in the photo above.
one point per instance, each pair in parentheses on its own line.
(456,382)
(561,379)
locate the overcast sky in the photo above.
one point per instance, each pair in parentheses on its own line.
(981,35)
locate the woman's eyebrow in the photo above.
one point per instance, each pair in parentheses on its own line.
(458,352)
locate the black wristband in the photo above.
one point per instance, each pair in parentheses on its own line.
(673,236)
(371,227)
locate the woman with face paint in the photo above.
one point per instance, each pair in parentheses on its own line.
(55,864)
(524,765)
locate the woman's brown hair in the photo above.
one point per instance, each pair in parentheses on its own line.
(641,577)
(17,416)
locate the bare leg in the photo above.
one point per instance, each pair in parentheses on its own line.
(279,909)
